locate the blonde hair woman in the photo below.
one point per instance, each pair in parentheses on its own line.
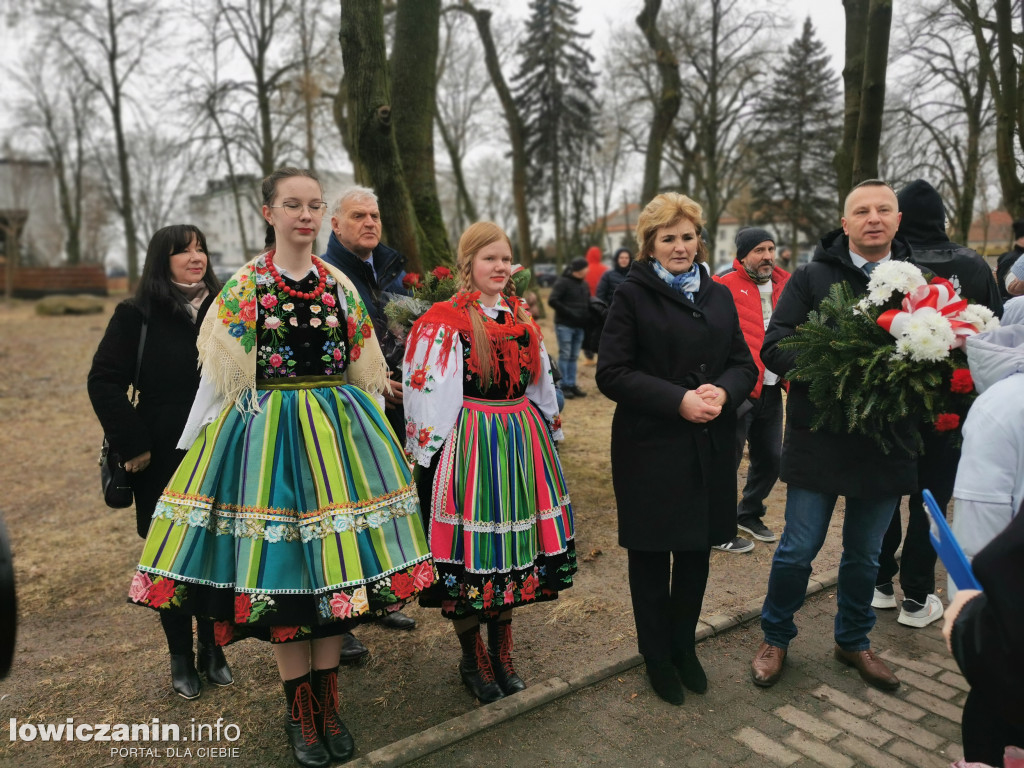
(674,361)
(478,391)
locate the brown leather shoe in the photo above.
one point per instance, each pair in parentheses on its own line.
(766,669)
(872,669)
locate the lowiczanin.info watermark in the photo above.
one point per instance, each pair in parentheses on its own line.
(152,739)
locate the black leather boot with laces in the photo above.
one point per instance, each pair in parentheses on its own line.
(333,733)
(300,724)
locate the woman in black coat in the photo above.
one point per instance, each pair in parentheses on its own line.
(674,360)
(174,293)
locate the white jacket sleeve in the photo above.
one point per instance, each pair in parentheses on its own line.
(432,397)
(542,394)
(205,409)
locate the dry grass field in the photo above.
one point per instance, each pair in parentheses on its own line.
(84,653)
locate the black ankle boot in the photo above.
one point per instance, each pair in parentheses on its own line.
(300,724)
(333,733)
(184,678)
(499,642)
(213,665)
(475,668)
(691,673)
(665,681)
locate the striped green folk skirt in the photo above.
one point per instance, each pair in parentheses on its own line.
(501,524)
(290,523)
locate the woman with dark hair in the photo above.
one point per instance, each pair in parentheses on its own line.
(294,513)
(479,399)
(176,288)
(674,361)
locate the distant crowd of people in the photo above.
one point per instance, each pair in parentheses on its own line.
(301,465)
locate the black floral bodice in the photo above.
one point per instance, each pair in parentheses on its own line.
(473,386)
(300,337)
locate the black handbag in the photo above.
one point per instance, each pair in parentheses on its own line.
(117,492)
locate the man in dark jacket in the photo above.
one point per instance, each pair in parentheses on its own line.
(1006,260)
(819,466)
(355,248)
(570,298)
(924,226)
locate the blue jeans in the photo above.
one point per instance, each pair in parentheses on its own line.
(807,517)
(569,342)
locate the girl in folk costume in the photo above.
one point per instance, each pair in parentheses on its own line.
(294,511)
(478,389)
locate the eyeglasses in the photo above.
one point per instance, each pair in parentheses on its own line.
(316,209)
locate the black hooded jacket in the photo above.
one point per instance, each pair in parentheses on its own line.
(924,226)
(823,461)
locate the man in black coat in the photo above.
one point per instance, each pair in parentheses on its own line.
(819,466)
(570,298)
(924,226)
(355,248)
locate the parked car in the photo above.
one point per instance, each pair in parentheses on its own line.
(545,274)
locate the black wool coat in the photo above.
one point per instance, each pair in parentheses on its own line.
(168,380)
(823,461)
(675,481)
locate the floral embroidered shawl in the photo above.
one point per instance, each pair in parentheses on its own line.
(227,337)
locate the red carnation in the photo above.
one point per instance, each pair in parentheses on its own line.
(946,422)
(441,273)
(961,382)
(411,280)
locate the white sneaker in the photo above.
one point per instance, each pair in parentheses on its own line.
(883,600)
(913,614)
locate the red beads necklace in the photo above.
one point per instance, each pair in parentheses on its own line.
(310,295)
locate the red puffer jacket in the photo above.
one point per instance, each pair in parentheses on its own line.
(748,305)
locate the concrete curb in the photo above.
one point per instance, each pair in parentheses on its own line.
(420,744)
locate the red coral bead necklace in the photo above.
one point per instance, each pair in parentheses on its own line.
(308,295)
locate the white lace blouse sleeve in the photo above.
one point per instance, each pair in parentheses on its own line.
(432,397)
(205,409)
(542,394)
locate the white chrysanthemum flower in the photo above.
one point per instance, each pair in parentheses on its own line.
(926,337)
(893,277)
(980,316)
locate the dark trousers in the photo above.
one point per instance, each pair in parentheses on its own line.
(987,731)
(760,429)
(936,472)
(178,629)
(666,606)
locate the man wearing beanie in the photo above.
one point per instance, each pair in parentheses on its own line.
(570,298)
(756,284)
(924,227)
(1008,259)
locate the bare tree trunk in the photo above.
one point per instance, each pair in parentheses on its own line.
(368,112)
(853,79)
(414,86)
(464,201)
(1009,119)
(669,100)
(872,96)
(516,134)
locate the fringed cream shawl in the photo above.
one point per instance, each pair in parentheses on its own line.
(227,337)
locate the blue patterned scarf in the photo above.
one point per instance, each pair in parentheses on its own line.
(688,283)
